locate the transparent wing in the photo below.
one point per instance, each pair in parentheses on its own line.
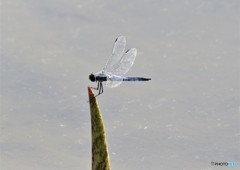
(113,84)
(117,53)
(125,63)
(114,81)
(122,67)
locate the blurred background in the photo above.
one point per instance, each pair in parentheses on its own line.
(186,117)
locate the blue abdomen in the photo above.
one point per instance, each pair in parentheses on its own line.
(136,79)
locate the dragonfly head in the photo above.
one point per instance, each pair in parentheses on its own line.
(92,77)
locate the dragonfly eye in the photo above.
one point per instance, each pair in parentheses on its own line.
(92,77)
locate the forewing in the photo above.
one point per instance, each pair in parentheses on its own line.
(117,53)
(125,63)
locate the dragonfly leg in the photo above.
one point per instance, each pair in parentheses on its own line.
(100,89)
(99,86)
(96,88)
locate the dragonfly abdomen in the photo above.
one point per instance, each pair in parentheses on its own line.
(136,79)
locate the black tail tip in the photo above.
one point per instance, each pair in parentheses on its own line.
(147,79)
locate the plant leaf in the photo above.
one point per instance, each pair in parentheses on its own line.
(100,157)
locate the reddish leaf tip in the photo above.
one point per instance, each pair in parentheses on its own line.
(90,90)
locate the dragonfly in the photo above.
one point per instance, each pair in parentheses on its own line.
(118,64)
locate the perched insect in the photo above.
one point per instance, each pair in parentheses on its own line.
(117,66)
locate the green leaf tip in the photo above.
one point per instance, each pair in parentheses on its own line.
(100,157)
